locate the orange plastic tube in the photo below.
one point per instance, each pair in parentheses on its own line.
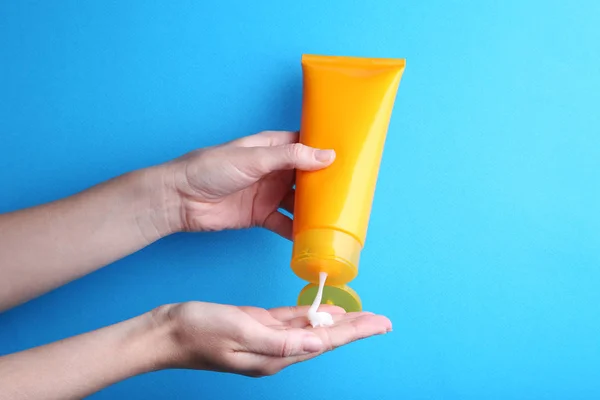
(347,106)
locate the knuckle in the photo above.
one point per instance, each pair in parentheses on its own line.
(239,335)
(285,349)
(291,310)
(256,139)
(328,341)
(297,149)
(269,137)
(284,345)
(295,152)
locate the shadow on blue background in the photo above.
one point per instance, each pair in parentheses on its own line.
(484,237)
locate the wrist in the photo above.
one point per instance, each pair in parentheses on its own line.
(182,338)
(169,351)
(160,202)
(151,343)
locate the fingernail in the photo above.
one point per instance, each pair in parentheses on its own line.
(324,155)
(312,344)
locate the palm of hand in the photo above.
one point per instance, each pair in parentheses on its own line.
(257,342)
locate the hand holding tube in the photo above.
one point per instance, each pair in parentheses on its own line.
(242,183)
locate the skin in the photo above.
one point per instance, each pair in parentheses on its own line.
(237,185)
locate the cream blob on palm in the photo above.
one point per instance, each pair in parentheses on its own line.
(316,318)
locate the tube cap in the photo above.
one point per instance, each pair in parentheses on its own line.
(326,250)
(341,296)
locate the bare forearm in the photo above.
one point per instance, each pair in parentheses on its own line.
(79,366)
(44,247)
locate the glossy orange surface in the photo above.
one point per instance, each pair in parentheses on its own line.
(347,106)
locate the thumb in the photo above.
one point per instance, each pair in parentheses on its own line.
(285,343)
(260,161)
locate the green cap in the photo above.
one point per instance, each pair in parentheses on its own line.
(341,296)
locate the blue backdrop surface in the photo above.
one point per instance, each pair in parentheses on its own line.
(484,239)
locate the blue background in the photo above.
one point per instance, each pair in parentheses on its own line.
(484,240)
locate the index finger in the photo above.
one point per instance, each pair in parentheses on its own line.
(355,329)
(341,334)
(284,314)
(267,139)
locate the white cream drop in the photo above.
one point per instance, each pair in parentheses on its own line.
(319,318)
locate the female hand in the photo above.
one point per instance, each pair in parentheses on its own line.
(255,341)
(243,340)
(241,184)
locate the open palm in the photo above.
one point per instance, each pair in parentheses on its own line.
(257,342)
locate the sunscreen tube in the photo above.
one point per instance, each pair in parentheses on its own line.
(347,104)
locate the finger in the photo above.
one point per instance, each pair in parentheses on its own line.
(355,329)
(266,139)
(341,334)
(261,315)
(288,201)
(284,314)
(256,162)
(283,343)
(338,318)
(280,224)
